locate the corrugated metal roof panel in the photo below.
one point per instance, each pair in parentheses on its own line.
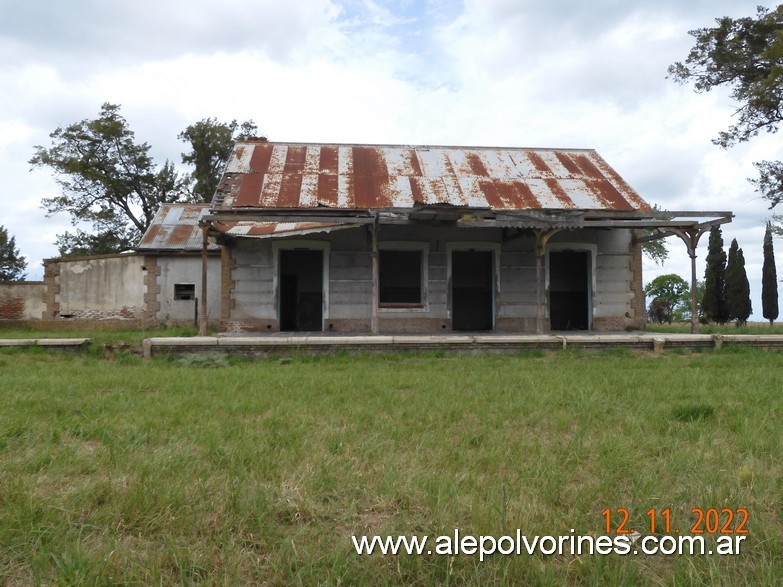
(175,228)
(276,175)
(277,229)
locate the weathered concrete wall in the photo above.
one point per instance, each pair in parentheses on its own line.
(22,300)
(102,288)
(247,283)
(249,299)
(517,297)
(613,296)
(613,300)
(186,270)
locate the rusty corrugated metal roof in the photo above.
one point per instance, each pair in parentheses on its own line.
(175,228)
(294,175)
(253,229)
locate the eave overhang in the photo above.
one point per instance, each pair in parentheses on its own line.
(657,224)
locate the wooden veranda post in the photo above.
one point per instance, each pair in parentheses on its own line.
(542,238)
(691,238)
(694,301)
(202,325)
(375,277)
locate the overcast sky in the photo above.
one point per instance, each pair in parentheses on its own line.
(517,73)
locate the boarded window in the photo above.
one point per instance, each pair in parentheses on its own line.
(184,291)
(400,278)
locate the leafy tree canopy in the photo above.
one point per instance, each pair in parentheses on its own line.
(211,143)
(746,56)
(674,290)
(12,264)
(107,180)
(655,250)
(659,311)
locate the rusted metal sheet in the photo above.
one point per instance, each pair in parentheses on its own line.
(260,174)
(175,228)
(276,229)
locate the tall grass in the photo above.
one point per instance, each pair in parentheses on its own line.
(237,472)
(731,328)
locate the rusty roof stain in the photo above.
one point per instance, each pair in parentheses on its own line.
(254,229)
(175,228)
(261,174)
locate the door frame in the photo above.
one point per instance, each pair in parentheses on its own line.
(291,245)
(592,257)
(495,249)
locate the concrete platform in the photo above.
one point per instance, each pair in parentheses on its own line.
(259,346)
(50,343)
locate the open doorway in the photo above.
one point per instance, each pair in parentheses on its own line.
(301,290)
(569,290)
(472,293)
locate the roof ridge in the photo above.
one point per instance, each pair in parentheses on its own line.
(253,141)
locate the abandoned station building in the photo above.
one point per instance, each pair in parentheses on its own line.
(421,239)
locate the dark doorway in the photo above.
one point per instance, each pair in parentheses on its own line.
(569,285)
(472,305)
(301,290)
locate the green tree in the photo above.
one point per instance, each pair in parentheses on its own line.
(107,180)
(699,297)
(12,264)
(769,280)
(659,311)
(737,286)
(714,301)
(674,290)
(746,56)
(211,143)
(655,250)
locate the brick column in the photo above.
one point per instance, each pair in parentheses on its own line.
(638,304)
(151,291)
(52,293)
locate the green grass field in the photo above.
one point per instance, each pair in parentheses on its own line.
(221,471)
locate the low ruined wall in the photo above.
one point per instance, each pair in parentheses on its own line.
(22,300)
(110,288)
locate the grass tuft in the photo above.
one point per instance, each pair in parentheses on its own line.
(691,413)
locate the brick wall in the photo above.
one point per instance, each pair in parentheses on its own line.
(11,308)
(124,313)
(611,323)
(151,291)
(259,326)
(22,300)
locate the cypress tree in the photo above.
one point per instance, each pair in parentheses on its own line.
(714,301)
(737,286)
(769,280)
